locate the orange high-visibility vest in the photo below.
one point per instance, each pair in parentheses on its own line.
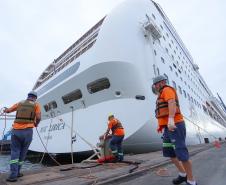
(162,109)
(116,126)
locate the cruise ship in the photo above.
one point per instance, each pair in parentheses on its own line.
(110,70)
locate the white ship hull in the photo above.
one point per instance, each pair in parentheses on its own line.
(124,55)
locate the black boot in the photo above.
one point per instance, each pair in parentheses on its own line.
(11,179)
(179,180)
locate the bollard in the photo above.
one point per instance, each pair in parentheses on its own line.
(105,151)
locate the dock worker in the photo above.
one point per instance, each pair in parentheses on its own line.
(117,137)
(170,121)
(28,116)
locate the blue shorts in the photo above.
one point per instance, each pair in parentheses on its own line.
(174,143)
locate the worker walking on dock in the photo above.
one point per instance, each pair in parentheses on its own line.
(171,121)
(28,115)
(117,136)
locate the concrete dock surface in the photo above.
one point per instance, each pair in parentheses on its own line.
(209,163)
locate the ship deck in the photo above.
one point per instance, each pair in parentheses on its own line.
(208,161)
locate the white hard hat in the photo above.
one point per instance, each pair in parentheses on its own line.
(159,79)
(32,93)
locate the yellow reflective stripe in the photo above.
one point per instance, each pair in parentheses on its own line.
(14,161)
(114,151)
(120,153)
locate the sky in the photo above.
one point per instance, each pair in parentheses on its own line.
(35,32)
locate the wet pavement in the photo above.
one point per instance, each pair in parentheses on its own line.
(209,169)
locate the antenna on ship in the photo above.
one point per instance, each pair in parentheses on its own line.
(222,103)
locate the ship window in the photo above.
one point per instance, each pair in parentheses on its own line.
(154,69)
(153,16)
(175,51)
(161,27)
(155,52)
(98,85)
(163,37)
(49,106)
(167,34)
(174,66)
(172,57)
(181,79)
(174,84)
(158,72)
(196,103)
(162,59)
(167,78)
(171,69)
(205,109)
(176,73)
(189,98)
(167,50)
(170,46)
(72,96)
(184,93)
(180,89)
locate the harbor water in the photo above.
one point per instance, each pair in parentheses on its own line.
(4,164)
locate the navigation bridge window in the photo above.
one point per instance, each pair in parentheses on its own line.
(72,96)
(49,106)
(98,85)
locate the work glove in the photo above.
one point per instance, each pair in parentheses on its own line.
(171,124)
(6,110)
(159,129)
(105,136)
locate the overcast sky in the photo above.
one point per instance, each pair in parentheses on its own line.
(34,32)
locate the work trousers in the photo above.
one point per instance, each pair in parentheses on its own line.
(20,142)
(116,146)
(174,142)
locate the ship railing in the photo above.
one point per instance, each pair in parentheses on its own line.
(96,26)
(219,109)
(65,63)
(159,8)
(70,55)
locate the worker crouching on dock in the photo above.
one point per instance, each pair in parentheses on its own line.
(28,116)
(170,120)
(117,137)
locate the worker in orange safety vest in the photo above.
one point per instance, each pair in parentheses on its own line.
(117,136)
(28,116)
(170,120)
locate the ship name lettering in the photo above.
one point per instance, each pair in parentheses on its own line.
(57,126)
(43,129)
